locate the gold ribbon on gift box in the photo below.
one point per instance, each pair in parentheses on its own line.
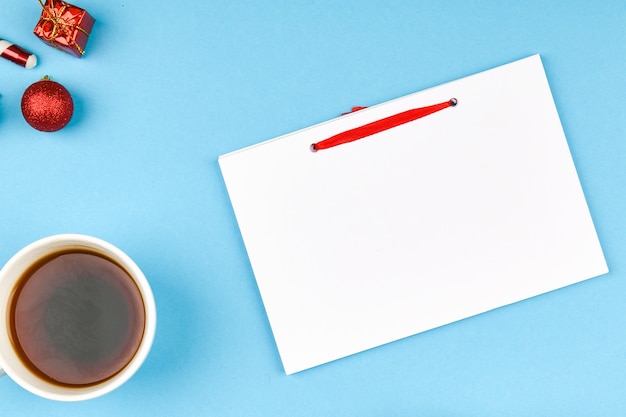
(60,26)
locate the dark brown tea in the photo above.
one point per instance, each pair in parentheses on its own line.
(77,318)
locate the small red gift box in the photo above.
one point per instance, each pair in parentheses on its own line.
(64,26)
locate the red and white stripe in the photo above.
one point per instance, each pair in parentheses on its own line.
(16,54)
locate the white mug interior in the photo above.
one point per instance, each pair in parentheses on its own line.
(13,270)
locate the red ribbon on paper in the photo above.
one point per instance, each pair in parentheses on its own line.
(380,125)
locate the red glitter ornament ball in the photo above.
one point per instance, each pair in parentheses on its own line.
(47,105)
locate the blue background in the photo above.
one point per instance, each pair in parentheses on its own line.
(165,87)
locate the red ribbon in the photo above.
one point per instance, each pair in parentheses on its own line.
(380,125)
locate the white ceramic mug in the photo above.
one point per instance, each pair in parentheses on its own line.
(10,275)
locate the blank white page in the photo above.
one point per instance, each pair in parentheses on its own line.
(463,211)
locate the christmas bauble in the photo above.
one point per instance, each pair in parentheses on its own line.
(47,105)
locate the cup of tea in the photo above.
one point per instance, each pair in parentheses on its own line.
(77,317)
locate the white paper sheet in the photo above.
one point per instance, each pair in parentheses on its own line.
(469,209)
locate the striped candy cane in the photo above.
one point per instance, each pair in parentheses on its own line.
(16,54)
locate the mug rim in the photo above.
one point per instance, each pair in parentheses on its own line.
(10,274)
